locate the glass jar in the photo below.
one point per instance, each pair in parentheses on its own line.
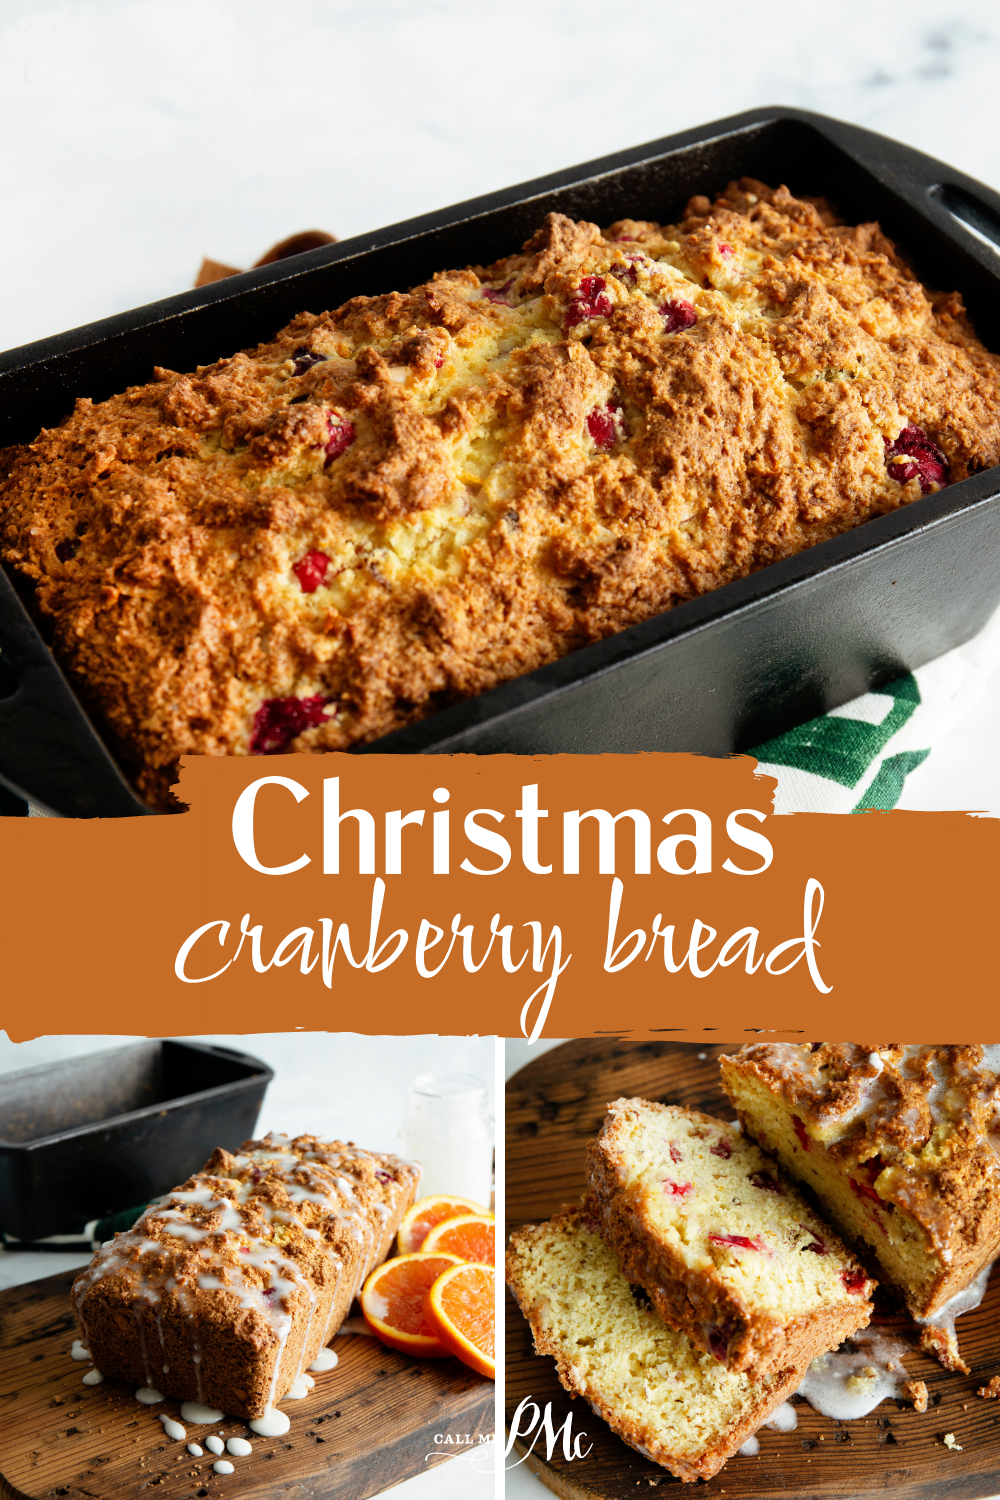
(447,1130)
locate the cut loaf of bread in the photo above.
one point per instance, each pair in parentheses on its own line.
(725,1247)
(677,1405)
(898,1141)
(225,1291)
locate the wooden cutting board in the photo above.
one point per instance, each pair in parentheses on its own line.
(554,1106)
(368,1424)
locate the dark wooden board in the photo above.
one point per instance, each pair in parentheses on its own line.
(368,1424)
(554,1106)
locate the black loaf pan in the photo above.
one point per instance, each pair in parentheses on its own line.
(85,1138)
(717,674)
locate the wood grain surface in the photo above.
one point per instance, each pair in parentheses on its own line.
(368,1424)
(554,1106)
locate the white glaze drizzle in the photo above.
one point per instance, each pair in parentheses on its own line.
(271,1424)
(198,1415)
(325,1360)
(848,1384)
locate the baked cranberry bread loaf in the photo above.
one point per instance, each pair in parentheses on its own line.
(675,1404)
(899,1143)
(226,1290)
(729,1253)
(403,502)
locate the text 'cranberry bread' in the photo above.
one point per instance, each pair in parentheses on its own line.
(225,1291)
(899,1142)
(727,1250)
(405,501)
(677,1405)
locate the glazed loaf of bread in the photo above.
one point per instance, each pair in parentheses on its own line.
(226,1290)
(729,1253)
(403,502)
(900,1144)
(676,1405)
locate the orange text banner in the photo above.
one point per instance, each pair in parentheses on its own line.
(538,896)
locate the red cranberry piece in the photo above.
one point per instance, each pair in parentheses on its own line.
(279,721)
(765,1182)
(818,1246)
(311,570)
(603,424)
(676,1189)
(438,363)
(722,1149)
(590,302)
(629,274)
(719,1335)
(914,456)
(341,437)
(725,249)
(800,1131)
(675,1153)
(493,295)
(305,359)
(677,315)
(383,1176)
(863,1190)
(255,1174)
(737,1241)
(854,1281)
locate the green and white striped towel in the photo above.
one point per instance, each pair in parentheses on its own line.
(859,756)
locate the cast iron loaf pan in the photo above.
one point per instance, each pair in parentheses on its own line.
(86,1138)
(717,674)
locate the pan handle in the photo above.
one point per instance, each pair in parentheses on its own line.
(934,188)
(50,753)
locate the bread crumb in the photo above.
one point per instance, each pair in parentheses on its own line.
(949,1442)
(991,1390)
(917,1392)
(943,1344)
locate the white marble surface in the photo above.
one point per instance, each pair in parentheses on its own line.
(341,1084)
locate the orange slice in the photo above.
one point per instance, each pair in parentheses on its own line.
(469,1236)
(460,1308)
(427,1212)
(392,1301)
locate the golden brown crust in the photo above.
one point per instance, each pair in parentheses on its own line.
(228,1288)
(475,525)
